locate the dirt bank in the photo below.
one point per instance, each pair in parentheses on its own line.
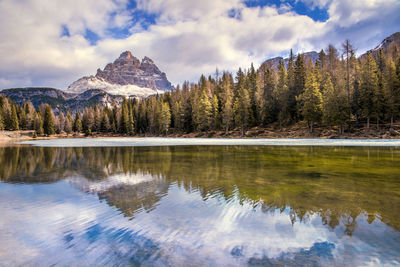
(298,130)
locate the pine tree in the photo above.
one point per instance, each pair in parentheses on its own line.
(368,88)
(14,125)
(335,106)
(23,124)
(38,123)
(253,89)
(48,121)
(392,91)
(227,110)
(348,52)
(215,113)
(77,127)
(124,126)
(68,123)
(61,123)
(88,121)
(105,123)
(300,77)
(164,118)
(131,121)
(179,116)
(241,109)
(205,113)
(282,95)
(266,103)
(311,101)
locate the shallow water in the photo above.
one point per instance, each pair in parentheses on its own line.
(200,206)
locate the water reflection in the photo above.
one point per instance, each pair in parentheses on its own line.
(183,206)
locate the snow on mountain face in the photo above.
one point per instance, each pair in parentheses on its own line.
(126,76)
(91,82)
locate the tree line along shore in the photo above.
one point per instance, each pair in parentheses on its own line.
(338,91)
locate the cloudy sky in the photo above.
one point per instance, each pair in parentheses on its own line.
(53,43)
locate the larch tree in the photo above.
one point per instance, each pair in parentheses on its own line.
(311,101)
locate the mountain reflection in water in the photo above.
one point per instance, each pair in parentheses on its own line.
(199,205)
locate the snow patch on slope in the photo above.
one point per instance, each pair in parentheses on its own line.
(130,90)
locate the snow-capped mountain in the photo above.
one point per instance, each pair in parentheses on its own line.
(127,76)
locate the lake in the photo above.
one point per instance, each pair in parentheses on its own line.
(172,202)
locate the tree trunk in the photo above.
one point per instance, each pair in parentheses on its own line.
(391,122)
(368,125)
(226,130)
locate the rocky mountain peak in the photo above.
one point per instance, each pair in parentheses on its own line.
(129,72)
(126,55)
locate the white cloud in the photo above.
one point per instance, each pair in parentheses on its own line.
(189,37)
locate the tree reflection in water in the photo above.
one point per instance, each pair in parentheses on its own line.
(337,183)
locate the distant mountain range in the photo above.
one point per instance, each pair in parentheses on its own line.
(127,76)
(274,62)
(61,100)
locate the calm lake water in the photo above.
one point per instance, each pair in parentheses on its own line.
(204,205)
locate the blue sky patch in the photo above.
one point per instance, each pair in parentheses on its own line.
(299,7)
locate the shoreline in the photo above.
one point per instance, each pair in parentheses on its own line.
(297,131)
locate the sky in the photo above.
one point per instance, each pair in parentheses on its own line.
(53,43)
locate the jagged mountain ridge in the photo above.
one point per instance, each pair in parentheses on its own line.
(127,76)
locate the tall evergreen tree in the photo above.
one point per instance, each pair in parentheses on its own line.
(164,118)
(348,52)
(124,126)
(48,121)
(105,123)
(227,109)
(242,109)
(38,123)
(392,91)
(14,124)
(77,127)
(282,95)
(368,88)
(311,101)
(68,123)
(335,106)
(205,113)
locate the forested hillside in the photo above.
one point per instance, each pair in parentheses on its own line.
(337,90)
